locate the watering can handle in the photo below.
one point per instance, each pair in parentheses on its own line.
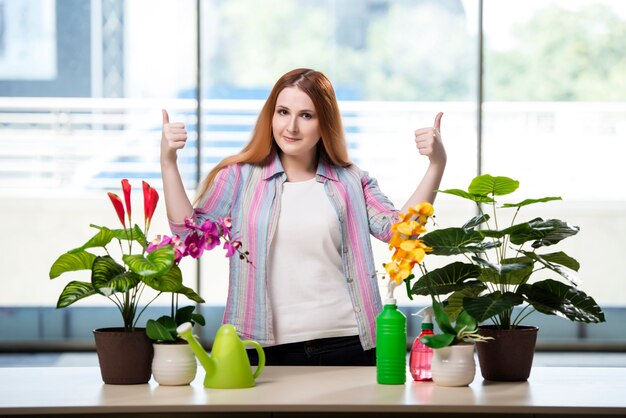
(261,354)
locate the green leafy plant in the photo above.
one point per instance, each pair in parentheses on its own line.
(164,328)
(464,331)
(122,282)
(500,262)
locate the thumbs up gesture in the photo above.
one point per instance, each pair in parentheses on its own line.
(428,141)
(173,137)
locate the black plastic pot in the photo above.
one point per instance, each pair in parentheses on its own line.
(509,356)
(125,357)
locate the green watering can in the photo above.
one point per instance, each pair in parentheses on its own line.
(228,366)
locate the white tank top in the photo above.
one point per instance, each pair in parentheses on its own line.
(307,288)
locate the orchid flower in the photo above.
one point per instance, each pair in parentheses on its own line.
(408,251)
(231,247)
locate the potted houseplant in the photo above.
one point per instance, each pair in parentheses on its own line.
(499,273)
(453,348)
(124,353)
(174,362)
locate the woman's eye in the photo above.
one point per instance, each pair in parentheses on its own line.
(307,116)
(282,112)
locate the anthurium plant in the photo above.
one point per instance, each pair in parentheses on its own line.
(204,237)
(123,282)
(500,262)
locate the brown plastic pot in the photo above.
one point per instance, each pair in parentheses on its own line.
(509,356)
(125,357)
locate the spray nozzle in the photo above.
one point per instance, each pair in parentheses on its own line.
(391,286)
(427,313)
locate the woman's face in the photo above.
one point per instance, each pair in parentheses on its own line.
(295,124)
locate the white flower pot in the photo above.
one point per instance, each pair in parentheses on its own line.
(173,364)
(453,365)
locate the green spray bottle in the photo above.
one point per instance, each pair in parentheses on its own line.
(391,342)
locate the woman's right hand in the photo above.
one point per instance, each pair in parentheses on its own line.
(173,138)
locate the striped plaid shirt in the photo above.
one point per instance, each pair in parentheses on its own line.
(250,195)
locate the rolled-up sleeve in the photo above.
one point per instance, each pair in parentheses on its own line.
(216,202)
(380,211)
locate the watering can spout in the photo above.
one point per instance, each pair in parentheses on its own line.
(185,332)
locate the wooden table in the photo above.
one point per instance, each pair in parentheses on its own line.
(294,391)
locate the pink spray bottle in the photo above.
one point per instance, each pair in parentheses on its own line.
(421,355)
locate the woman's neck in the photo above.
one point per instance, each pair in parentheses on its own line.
(297,168)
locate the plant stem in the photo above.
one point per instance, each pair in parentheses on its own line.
(518,320)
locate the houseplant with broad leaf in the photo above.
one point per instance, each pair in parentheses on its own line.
(499,272)
(122,270)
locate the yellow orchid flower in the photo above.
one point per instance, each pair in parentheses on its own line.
(396,240)
(408,252)
(407,228)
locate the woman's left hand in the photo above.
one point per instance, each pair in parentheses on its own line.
(428,142)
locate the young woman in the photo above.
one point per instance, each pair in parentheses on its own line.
(305,213)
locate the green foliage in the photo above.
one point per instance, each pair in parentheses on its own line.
(465,330)
(123,284)
(164,328)
(490,284)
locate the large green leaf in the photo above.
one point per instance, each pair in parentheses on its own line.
(172,281)
(530,202)
(488,306)
(560,263)
(511,272)
(465,322)
(513,229)
(555,298)
(442,319)
(455,301)
(101,239)
(447,279)
(190,294)
(82,260)
(108,277)
(561,258)
(186,314)
(74,291)
(490,185)
(462,193)
(437,340)
(544,232)
(475,221)
(156,262)
(451,241)
(163,329)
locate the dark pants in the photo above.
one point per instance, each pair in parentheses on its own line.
(336,351)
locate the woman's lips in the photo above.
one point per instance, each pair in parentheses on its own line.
(289,139)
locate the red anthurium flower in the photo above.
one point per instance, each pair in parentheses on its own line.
(119,207)
(150,199)
(126,190)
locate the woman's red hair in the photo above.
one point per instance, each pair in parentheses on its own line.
(332,147)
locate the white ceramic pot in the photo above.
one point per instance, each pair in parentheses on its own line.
(453,365)
(173,364)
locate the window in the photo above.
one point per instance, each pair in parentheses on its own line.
(82,110)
